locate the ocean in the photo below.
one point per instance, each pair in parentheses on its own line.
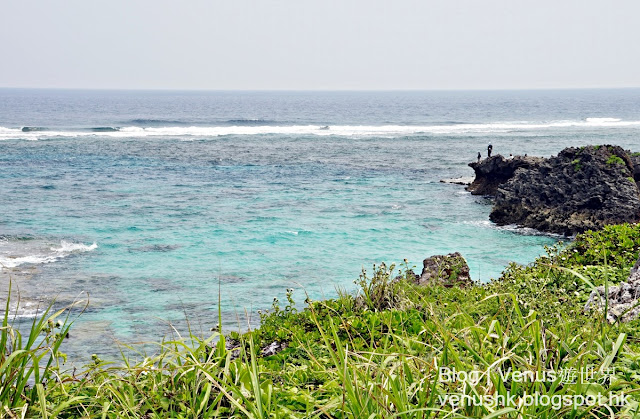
(156,205)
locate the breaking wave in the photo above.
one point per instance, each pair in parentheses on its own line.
(104,129)
(68,247)
(514,228)
(33,129)
(243,121)
(36,252)
(150,121)
(264,127)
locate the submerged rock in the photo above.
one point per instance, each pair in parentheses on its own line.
(33,129)
(623,300)
(580,189)
(447,270)
(466,181)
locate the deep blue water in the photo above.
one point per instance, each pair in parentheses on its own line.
(152,202)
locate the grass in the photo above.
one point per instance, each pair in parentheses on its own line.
(29,365)
(613,159)
(389,350)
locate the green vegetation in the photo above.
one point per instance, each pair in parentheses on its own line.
(635,154)
(577,165)
(390,350)
(613,159)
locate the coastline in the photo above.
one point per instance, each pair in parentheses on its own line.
(393,347)
(402,343)
(179,214)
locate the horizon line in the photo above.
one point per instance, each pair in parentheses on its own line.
(506,89)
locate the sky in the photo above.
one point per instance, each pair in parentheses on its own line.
(319,44)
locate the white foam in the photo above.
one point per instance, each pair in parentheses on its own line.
(513,228)
(42,255)
(25,308)
(602,120)
(335,130)
(67,247)
(12,262)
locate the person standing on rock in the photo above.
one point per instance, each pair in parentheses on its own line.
(479,156)
(489,150)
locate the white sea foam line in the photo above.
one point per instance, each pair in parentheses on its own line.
(25,308)
(341,130)
(602,120)
(12,262)
(514,228)
(65,249)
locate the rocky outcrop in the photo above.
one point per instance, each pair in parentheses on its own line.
(635,159)
(447,270)
(580,189)
(624,299)
(494,171)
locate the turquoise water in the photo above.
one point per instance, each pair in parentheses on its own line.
(153,203)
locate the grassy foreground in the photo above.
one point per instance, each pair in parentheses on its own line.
(520,346)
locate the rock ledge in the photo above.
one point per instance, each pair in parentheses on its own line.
(581,189)
(447,270)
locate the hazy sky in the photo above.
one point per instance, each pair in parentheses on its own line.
(320,44)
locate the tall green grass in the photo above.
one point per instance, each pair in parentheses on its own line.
(379,353)
(30,363)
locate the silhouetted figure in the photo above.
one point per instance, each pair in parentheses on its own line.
(489,150)
(479,156)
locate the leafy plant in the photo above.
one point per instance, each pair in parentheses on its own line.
(30,363)
(613,159)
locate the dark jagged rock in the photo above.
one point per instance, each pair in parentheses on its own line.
(447,270)
(233,346)
(635,159)
(580,189)
(623,304)
(494,171)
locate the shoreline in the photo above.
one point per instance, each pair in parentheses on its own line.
(391,321)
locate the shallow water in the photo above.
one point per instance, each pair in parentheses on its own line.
(154,202)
